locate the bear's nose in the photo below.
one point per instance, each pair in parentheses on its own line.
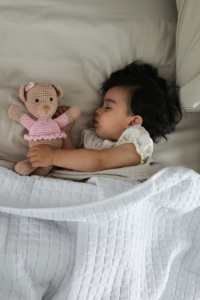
(46,108)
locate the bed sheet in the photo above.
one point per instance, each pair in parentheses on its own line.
(77,45)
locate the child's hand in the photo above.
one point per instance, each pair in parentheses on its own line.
(41,156)
(61,110)
(68,127)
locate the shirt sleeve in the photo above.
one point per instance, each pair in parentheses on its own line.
(88,138)
(82,139)
(62,120)
(138,136)
(27,121)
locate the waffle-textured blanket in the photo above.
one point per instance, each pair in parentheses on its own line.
(112,239)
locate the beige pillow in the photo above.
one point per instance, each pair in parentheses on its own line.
(77,45)
(188,52)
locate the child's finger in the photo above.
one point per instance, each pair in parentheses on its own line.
(31,154)
(55,115)
(65,108)
(60,111)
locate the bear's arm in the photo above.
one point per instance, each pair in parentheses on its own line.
(62,120)
(27,121)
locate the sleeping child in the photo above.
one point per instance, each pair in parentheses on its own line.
(137,111)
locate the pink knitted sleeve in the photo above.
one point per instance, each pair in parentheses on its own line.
(62,121)
(27,121)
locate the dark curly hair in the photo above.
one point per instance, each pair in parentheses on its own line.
(148,97)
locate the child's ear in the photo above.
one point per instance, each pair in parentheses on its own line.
(135,120)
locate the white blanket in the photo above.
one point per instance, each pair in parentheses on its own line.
(104,239)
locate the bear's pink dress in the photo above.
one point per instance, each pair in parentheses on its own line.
(46,129)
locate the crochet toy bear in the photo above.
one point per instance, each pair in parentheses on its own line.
(41,101)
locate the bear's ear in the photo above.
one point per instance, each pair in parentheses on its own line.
(22,93)
(59,92)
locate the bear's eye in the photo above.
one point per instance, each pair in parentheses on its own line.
(51,99)
(36,100)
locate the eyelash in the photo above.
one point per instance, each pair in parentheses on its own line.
(108,107)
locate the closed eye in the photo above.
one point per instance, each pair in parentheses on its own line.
(108,107)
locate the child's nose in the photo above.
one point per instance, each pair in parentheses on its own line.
(97,112)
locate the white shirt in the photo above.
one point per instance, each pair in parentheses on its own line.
(136,135)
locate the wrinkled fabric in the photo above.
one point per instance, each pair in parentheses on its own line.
(104,239)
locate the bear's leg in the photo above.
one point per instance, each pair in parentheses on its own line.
(24,168)
(42,171)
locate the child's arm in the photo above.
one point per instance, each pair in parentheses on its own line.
(67,143)
(88,160)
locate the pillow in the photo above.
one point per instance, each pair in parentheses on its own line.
(187,52)
(77,45)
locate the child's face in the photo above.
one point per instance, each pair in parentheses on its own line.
(112,118)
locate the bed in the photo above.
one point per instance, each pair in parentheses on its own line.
(129,233)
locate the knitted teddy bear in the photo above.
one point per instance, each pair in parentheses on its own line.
(41,101)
